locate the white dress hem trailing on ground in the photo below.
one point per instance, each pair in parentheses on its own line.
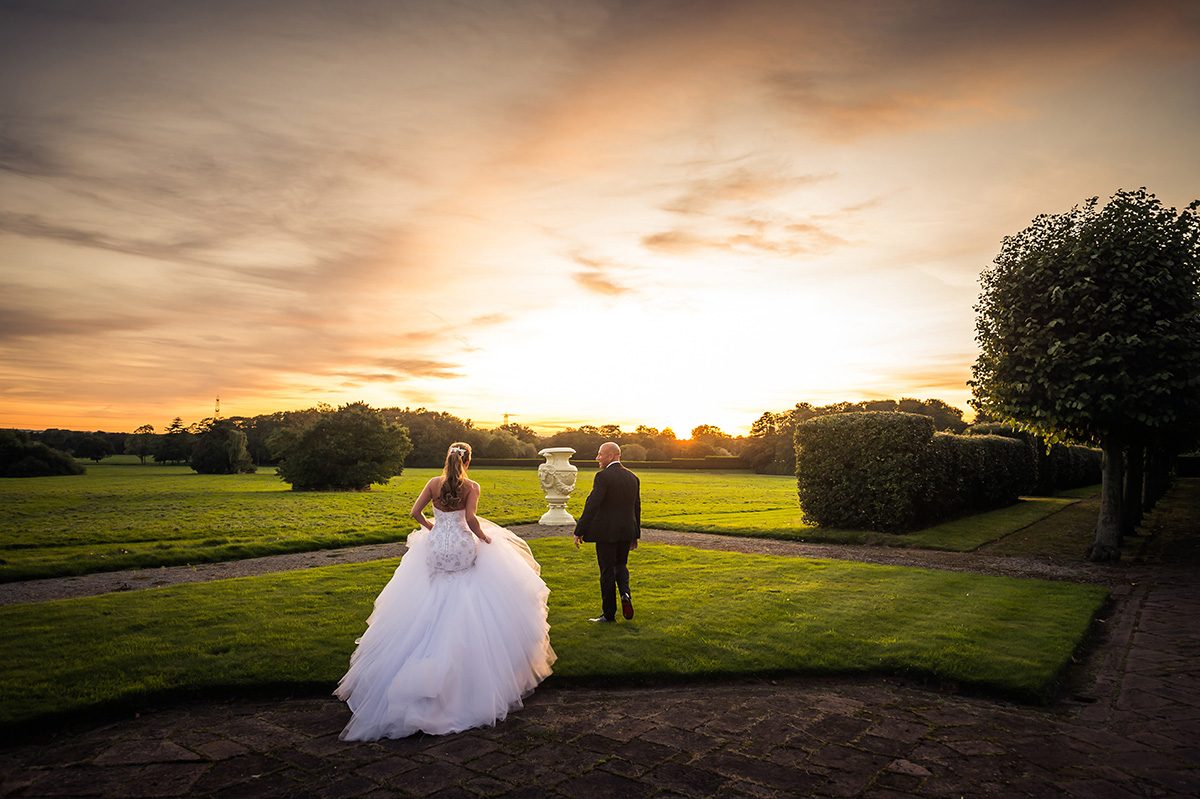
(457,639)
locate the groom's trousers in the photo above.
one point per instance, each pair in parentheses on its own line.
(613,557)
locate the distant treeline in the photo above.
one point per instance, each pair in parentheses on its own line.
(768,448)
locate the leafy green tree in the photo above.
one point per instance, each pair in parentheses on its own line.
(585,440)
(1089,329)
(141,442)
(500,443)
(93,447)
(259,429)
(946,417)
(221,449)
(712,439)
(660,445)
(20,457)
(57,438)
(431,433)
(523,433)
(343,450)
(610,432)
(633,452)
(175,444)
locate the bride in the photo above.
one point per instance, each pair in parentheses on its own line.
(458,635)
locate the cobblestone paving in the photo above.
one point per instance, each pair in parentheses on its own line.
(1129,727)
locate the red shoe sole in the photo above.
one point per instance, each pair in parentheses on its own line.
(626,608)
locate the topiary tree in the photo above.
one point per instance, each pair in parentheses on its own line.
(343,450)
(1089,328)
(221,449)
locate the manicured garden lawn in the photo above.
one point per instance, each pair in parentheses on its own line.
(126,516)
(958,535)
(119,516)
(699,613)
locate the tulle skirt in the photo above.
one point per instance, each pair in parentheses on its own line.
(447,651)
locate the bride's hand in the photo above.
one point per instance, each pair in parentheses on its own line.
(483,537)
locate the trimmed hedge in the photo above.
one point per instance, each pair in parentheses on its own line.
(891,472)
(1059,467)
(863,470)
(964,474)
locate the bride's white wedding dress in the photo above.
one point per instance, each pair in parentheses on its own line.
(457,638)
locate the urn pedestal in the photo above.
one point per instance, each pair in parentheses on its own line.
(557,476)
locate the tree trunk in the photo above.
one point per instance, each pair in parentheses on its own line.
(1135,469)
(1148,498)
(1154,483)
(1107,545)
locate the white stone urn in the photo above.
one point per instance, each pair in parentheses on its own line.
(557,476)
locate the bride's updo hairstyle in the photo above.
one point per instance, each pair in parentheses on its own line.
(458,458)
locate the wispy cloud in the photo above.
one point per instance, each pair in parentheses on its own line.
(596,277)
(404,368)
(749,235)
(743,186)
(19,323)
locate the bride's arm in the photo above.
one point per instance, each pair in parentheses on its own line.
(418,508)
(472,520)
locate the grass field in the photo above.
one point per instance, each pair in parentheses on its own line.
(125,516)
(699,613)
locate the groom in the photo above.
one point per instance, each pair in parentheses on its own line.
(612,518)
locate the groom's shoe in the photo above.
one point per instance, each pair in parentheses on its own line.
(602,620)
(626,606)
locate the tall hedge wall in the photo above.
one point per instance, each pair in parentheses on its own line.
(862,470)
(889,471)
(1059,466)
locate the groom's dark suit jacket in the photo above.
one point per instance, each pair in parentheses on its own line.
(613,511)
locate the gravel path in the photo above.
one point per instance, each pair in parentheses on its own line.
(894,556)
(136,579)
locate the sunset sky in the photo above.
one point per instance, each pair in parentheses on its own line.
(668,213)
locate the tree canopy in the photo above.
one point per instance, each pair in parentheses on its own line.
(221,449)
(343,450)
(1089,328)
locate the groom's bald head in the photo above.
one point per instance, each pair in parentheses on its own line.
(609,451)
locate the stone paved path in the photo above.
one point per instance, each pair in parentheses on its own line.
(1130,728)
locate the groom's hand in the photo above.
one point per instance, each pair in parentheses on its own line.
(633,544)
(578,541)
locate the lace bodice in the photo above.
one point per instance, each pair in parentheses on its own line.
(451,542)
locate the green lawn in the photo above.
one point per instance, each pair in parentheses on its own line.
(699,613)
(119,516)
(958,535)
(126,516)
